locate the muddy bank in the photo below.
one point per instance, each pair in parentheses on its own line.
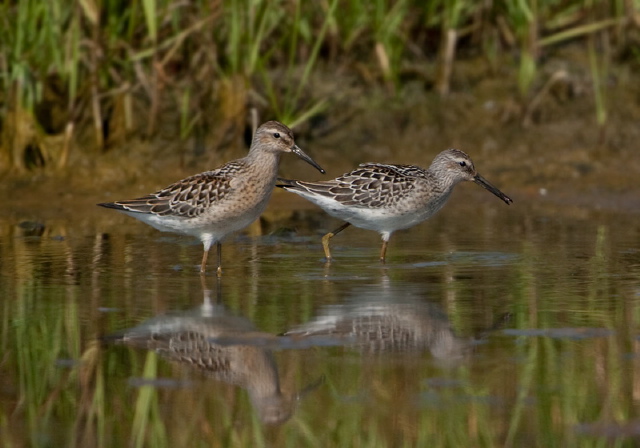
(548,147)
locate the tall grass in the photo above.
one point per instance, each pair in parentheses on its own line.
(66,66)
(289,105)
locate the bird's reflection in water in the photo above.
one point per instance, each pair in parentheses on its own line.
(385,318)
(223,346)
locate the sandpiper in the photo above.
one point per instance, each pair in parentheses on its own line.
(213,204)
(221,345)
(386,198)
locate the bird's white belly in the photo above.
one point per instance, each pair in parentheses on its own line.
(381,219)
(213,225)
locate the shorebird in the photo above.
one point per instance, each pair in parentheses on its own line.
(213,204)
(386,198)
(386,319)
(223,346)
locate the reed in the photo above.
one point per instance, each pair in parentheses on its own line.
(387,21)
(178,56)
(289,103)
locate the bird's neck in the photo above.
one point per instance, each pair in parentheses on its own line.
(263,167)
(257,155)
(263,159)
(442,181)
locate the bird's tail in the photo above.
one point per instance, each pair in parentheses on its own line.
(284,183)
(113,205)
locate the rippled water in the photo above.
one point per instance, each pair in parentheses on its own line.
(489,325)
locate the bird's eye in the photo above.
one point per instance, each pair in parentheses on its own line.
(276,134)
(463,163)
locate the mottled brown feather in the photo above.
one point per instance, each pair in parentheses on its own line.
(187,198)
(368,185)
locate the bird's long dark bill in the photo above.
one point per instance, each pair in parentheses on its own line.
(485,184)
(300,153)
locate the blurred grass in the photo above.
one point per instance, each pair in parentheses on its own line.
(72,68)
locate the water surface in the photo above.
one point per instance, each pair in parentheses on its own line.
(488,326)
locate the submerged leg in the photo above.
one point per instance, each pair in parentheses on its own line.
(206,296)
(328,236)
(383,251)
(206,244)
(219,271)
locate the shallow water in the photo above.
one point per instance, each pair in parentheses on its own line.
(488,325)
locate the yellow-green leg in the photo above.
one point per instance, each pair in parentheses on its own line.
(328,236)
(205,255)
